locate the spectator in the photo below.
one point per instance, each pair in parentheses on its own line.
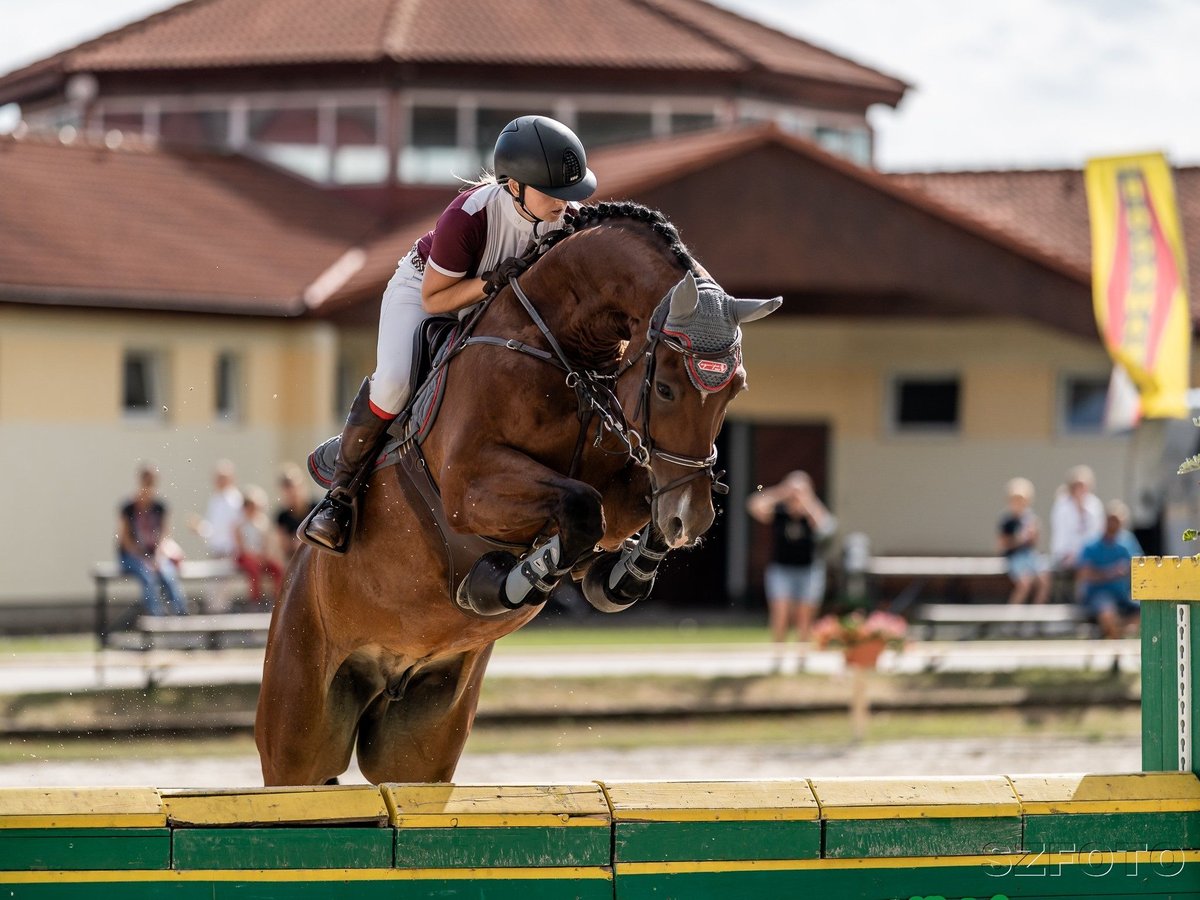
(1104,574)
(222,514)
(142,536)
(1020,531)
(1076,518)
(296,504)
(795,578)
(250,535)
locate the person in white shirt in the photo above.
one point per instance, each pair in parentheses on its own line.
(222,514)
(1076,518)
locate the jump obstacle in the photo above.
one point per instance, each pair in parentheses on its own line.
(1019,836)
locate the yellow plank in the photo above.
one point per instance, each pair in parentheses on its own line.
(1144,792)
(334,804)
(113,807)
(458,805)
(915,798)
(712,801)
(1166,578)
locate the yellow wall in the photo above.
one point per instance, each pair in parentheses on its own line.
(70,454)
(929,493)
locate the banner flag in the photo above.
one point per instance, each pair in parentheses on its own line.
(1139,278)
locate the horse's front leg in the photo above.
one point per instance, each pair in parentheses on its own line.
(505,494)
(616,581)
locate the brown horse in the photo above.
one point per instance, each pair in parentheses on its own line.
(371,649)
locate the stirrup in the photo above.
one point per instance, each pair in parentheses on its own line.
(336,497)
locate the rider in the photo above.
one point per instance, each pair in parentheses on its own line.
(540,166)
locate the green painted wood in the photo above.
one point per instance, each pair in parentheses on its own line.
(672,841)
(1080,832)
(282,848)
(851,838)
(41,849)
(1033,881)
(533,846)
(381,889)
(1159,730)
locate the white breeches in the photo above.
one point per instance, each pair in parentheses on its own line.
(399,315)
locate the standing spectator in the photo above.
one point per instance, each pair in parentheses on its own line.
(1076,518)
(141,534)
(250,535)
(222,514)
(296,505)
(1018,538)
(1104,574)
(795,578)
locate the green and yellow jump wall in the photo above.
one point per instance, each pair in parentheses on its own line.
(1060,836)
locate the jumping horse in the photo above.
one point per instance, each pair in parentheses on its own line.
(578,423)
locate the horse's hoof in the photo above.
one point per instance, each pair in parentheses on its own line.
(604,598)
(482,591)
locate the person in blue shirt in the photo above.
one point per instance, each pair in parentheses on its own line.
(1104,574)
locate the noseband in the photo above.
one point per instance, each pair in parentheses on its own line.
(597,397)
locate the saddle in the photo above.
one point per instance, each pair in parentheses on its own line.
(434,341)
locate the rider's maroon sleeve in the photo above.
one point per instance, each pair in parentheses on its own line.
(458,239)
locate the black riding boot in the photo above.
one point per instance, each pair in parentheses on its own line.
(331,525)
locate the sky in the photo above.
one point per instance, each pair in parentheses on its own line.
(1017,84)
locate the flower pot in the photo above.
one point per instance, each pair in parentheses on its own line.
(864,655)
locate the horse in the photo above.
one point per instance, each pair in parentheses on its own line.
(615,326)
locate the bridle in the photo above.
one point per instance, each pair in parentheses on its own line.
(597,399)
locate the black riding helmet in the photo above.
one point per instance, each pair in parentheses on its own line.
(544,154)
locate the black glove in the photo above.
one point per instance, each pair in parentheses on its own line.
(505,271)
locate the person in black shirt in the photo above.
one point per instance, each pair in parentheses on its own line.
(795,578)
(295,507)
(141,535)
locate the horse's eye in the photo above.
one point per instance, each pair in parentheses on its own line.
(664,390)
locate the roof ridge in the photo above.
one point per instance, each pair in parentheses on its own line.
(657,7)
(107,35)
(400,15)
(763,26)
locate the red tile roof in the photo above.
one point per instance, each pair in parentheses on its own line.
(83,224)
(1047,209)
(678,35)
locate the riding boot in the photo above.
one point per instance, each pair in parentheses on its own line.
(331,525)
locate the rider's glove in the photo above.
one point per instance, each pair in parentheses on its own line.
(505,271)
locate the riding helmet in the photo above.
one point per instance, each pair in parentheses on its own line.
(544,154)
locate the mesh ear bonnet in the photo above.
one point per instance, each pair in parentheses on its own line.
(710,328)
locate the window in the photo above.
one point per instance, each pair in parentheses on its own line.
(124,122)
(228,382)
(433,155)
(596,129)
(926,403)
(201,128)
(289,138)
(685,122)
(141,391)
(1082,404)
(359,157)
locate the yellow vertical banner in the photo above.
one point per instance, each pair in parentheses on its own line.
(1139,277)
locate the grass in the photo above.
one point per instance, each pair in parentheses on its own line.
(1094,724)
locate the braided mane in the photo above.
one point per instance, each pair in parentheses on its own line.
(594,214)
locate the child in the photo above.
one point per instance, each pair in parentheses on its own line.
(251,537)
(1018,537)
(540,166)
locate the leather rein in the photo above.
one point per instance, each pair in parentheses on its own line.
(596,396)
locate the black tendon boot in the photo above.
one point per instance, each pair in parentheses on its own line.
(330,525)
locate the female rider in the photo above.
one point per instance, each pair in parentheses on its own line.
(540,167)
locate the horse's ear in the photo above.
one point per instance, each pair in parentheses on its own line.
(684,297)
(749,310)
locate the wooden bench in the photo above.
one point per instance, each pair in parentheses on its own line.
(213,628)
(996,619)
(193,573)
(958,577)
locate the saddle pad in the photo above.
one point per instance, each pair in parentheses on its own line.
(418,419)
(322,461)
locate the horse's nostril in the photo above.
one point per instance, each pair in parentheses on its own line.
(676,526)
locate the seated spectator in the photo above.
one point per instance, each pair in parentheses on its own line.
(142,542)
(1020,531)
(1104,574)
(297,503)
(1076,518)
(251,535)
(222,514)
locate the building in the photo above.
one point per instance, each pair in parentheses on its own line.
(228,186)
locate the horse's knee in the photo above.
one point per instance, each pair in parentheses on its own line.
(581,520)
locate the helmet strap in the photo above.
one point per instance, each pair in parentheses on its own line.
(520,198)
